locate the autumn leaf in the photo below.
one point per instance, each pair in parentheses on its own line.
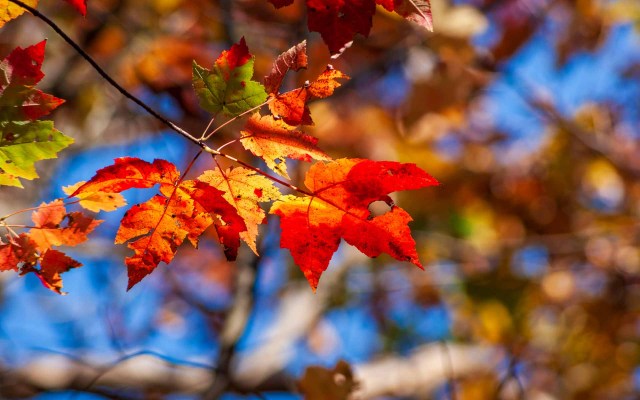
(18,253)
(183,210)
(293,59)
(127,173)
(96,201)
(23,139)
(53,264)
(342,190)
(338,21)
(162,223)
(23,254)
(80,5)
(274,141)
(244,189)
(292,106)
(55,227)
(228,87)
(418,11)
(9,11)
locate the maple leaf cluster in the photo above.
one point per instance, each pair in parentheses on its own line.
(335,207)
(34,251)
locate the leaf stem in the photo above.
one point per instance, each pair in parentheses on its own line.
(228,143)
(269,100)
(204,133)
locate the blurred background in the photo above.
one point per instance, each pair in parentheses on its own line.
(526,111)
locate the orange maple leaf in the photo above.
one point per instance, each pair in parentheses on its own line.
(274,141)
(184,209)
(96,201)
(22,255)
(55,227)
(292,106)
(312,226)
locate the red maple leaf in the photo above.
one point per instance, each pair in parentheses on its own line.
(342,190)
(80,5)
(52,264)
(338,21)
(55,227)
(22,70)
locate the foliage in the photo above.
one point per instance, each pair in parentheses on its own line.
(526,112)
(184,209)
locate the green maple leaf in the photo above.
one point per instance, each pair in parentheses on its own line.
(24,143)
(228,87)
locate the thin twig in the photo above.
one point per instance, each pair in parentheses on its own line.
(148,109)
(449,370)
(104,74)
(37,208)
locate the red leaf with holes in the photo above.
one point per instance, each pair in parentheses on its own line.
(342,190)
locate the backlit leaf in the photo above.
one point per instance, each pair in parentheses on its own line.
(156,228)
(55,227)
(312,226)
(244,189)
(22,144)
(53,264)
(127,173)
(292,106)
(96,201)
(228,87)
(295,58)
(274,141)
(9,11)
(338,21)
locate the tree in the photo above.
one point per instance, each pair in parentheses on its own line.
(491,219)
